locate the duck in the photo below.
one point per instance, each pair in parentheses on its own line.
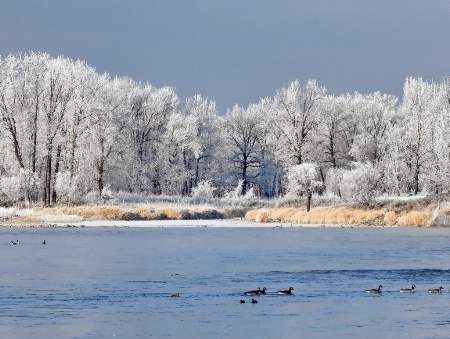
(375,290)
(253,292)
(242,301)
(289,291)
(254,301)
(176,295)
(436,290)
(43,243)
(408,290)
(15,242)
(263,291)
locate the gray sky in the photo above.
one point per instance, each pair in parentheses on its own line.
(237,51)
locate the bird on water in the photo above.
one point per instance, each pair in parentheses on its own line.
(289,291)
(254,292)
(436,290)
(408,290)
(263,291)
(375,290)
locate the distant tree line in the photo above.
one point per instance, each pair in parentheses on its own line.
(69,135)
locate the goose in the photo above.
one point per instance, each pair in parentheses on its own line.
(375,290)
(436,290)
(408,290)
(176,295)
(263,291)
(15,242)
(43,243)
(254,301)
(253,292)
(289,291)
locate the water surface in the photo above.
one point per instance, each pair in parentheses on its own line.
(118,282)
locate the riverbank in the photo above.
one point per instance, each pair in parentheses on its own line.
(425,212)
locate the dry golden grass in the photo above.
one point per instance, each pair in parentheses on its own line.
(133,213)
(253,214)
(410,217)
(340,215)
(91,212)
(390,218)
(29,219)
(263,217)
(279,214)
(400,215)
(415,218)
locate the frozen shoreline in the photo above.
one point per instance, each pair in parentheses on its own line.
(194,223)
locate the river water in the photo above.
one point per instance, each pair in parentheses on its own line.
(118,282)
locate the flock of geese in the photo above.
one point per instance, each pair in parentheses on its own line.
(260,291)
(16,242)
(405,290)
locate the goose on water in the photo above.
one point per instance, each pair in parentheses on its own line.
(253,292)
(436,290)
(289,291)
(375,290)
(263,291)
(15,242)
(408,290)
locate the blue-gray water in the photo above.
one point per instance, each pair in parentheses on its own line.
(118,282)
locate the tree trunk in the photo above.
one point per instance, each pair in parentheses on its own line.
(48,179)
(308,201)
(101,170)
(58,156)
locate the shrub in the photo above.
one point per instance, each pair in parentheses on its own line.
(360,184)
(203,192)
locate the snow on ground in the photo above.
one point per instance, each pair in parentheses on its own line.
(188,223)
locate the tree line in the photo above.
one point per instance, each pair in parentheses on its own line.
(69,135)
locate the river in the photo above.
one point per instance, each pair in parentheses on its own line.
(106,282)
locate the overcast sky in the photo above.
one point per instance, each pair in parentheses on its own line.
(237,51)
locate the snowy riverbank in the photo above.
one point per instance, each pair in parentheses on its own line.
(189,223)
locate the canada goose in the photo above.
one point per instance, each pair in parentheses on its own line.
(176,295)
(254,301)
(253,292)
(408,290)
(15,242)
(289,291)
(263,291)
(375,290)
(436,290)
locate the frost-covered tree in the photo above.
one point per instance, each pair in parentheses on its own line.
(296,111)
(242,132)
(373,114)
(304,179)
(395,169)
(203,192)
(189,143)
(151,109)
(332,131)
(107,131)
(419,109)
(360,184)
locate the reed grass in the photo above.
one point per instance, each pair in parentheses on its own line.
(397,215)
(327,215)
